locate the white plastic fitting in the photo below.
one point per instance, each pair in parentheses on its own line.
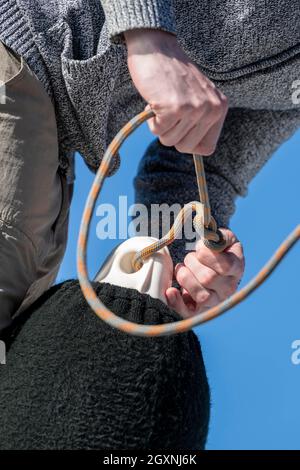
(154,277)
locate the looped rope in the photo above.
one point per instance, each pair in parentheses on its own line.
(204,225)
(208,234)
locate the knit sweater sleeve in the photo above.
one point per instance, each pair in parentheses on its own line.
(124,15)
(165,176)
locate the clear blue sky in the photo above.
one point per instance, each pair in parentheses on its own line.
(255,387)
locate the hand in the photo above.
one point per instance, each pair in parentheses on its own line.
(206,277)
(190,110)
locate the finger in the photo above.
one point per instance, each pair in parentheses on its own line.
(162,122)
(200,307)
(225,263)
(203,137)
(236,248)
(175,301)
(189,131)
(223,286)
(198,293)
(178,132)
(189,302)
(209,141)
(205,276)
(228,263)
(191,139)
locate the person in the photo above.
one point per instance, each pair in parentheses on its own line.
(219,77)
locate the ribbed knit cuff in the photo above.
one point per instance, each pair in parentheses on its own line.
(124,15)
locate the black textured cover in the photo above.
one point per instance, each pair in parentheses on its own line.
(73,382)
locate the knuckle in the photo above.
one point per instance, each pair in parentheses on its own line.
(206,149)
(182,276)
(177,110)
(225,108)
(166,141)
(231,290)
(242,263)
(197,104)
(219,107)
(231,287)
(158,128)
(207,86)
(202,296)
(181,107)
(199,107)
(181,148)
(200,252)
(216,106)
(224,101)
(208,278)
(196,114)
(241,269)
(187,107)
(226,265)
(189,258)
(155,129)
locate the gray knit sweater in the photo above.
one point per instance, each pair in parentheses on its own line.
(249,49)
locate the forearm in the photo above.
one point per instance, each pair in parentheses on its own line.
(126,15)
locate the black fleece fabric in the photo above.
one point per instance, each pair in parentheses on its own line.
(73,382)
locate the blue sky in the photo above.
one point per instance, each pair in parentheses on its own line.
(254,384)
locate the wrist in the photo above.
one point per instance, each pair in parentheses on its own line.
(141,41)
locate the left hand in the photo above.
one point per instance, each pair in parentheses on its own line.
(207,277)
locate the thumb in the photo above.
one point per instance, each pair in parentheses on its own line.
(175,301)
(172,296)
(149,108)
(229,237)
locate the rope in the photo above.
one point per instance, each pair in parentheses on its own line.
(204,225)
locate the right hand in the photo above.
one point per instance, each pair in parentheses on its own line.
(190,110)
(206,278)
